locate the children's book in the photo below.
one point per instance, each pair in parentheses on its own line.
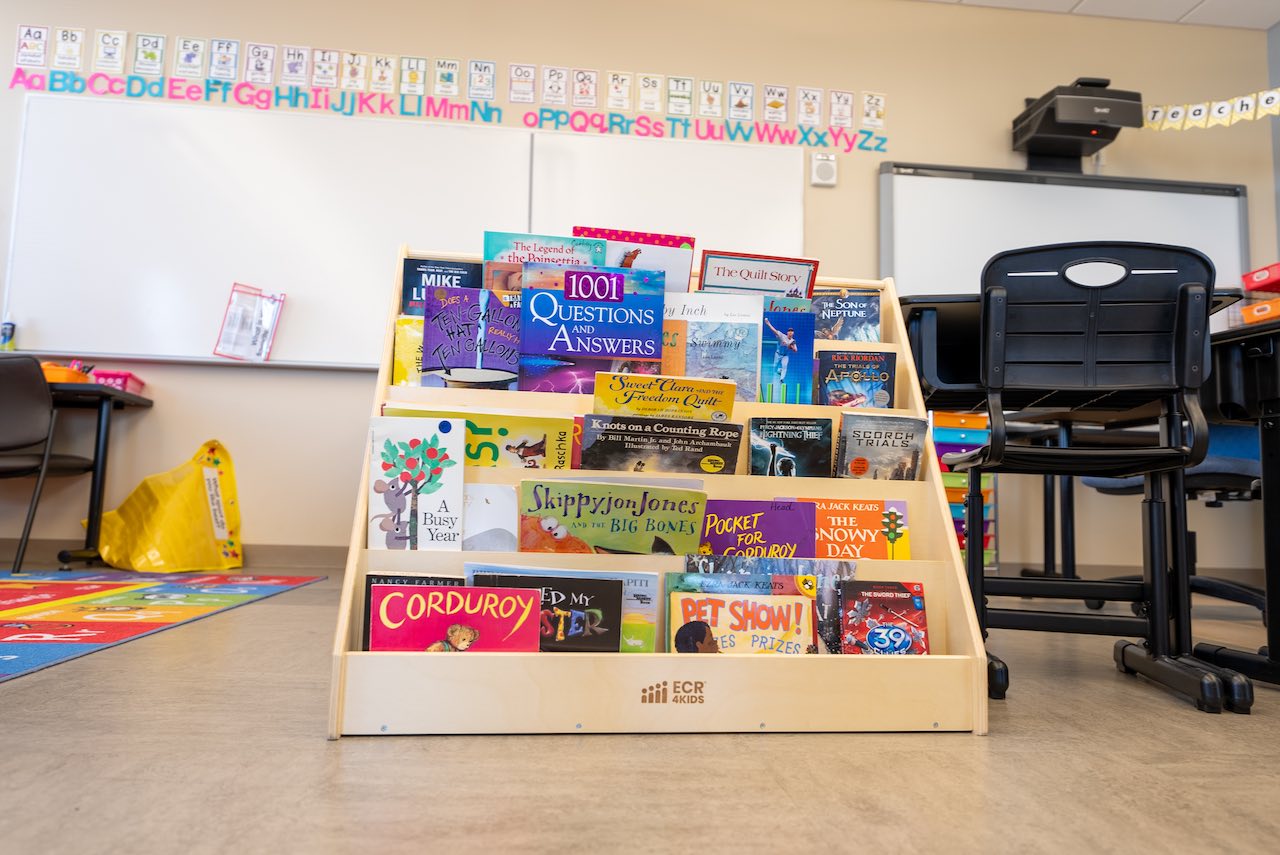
(851,378)
(639,598)
(590,324)
(778,529)
(846,316)
(663,397)
(634,280)
(489,518)
(734,583)
(829,574)
(447,619)
(714,335)
(740,623)
(585,516)
(548,249)
(372,579)
(421,274)
(858,528)
(883,618)
(578,615)
(672,254)
(513,439)
(637,444)
(503,276)
(415,483)
(786,361)
(799,447)
(762,274)
(406,358)
(471,339)
(886,448)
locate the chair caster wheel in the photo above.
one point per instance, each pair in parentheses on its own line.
(1094,604)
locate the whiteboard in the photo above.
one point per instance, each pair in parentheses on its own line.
(940,225)
(747,198)
(133,220)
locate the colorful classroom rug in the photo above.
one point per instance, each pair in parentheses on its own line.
(50,617)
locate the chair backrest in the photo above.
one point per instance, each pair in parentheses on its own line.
(26,406)
(1096,316)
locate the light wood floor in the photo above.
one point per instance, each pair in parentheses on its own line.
(210,738)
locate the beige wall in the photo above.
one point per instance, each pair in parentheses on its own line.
(955,78)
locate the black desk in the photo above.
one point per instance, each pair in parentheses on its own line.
(104,399)
(1245,387)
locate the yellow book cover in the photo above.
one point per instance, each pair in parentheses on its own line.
(663,396)
(741,623)
(406,359)
(506,439)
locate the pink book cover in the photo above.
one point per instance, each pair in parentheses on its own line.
(647,238)
(446,619)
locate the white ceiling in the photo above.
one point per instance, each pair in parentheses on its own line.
(1251,14)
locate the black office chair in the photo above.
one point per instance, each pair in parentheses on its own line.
(1228,473)
(1102,327)
(27,421)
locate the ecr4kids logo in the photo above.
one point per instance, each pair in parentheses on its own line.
(674,692)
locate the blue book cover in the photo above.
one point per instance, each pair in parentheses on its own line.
(639,597)
(423,273)
(847,316)
(588,323)
(853,379)
(786,358)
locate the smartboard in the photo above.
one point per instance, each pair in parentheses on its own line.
(939,225)
(746,198)
(132,221)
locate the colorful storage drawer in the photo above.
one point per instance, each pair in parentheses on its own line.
(960,436)
(959,494)
(961,480)
(959,420)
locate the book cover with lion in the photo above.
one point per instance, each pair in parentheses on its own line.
(599,517)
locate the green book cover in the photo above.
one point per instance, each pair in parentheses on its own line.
(593,517)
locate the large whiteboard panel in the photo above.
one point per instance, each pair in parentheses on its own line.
(939,229)
(133,220)
(731,197)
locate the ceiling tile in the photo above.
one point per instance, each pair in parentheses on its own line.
(1030,5)
(1255,14)
(1148,10)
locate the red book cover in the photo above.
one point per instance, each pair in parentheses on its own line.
(883,618)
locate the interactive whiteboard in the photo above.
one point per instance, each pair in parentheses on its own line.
(132,221)
(940,225)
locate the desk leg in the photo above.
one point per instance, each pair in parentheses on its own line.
(1067,510)
(1262,666)
(97,486)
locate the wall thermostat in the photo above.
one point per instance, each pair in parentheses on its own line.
(822,170)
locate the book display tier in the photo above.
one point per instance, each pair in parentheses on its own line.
(376,693)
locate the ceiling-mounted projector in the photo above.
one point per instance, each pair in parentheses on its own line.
(1068,122)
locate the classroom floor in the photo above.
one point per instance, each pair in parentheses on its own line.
(211,738)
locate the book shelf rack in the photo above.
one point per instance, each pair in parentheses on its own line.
(507,693)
